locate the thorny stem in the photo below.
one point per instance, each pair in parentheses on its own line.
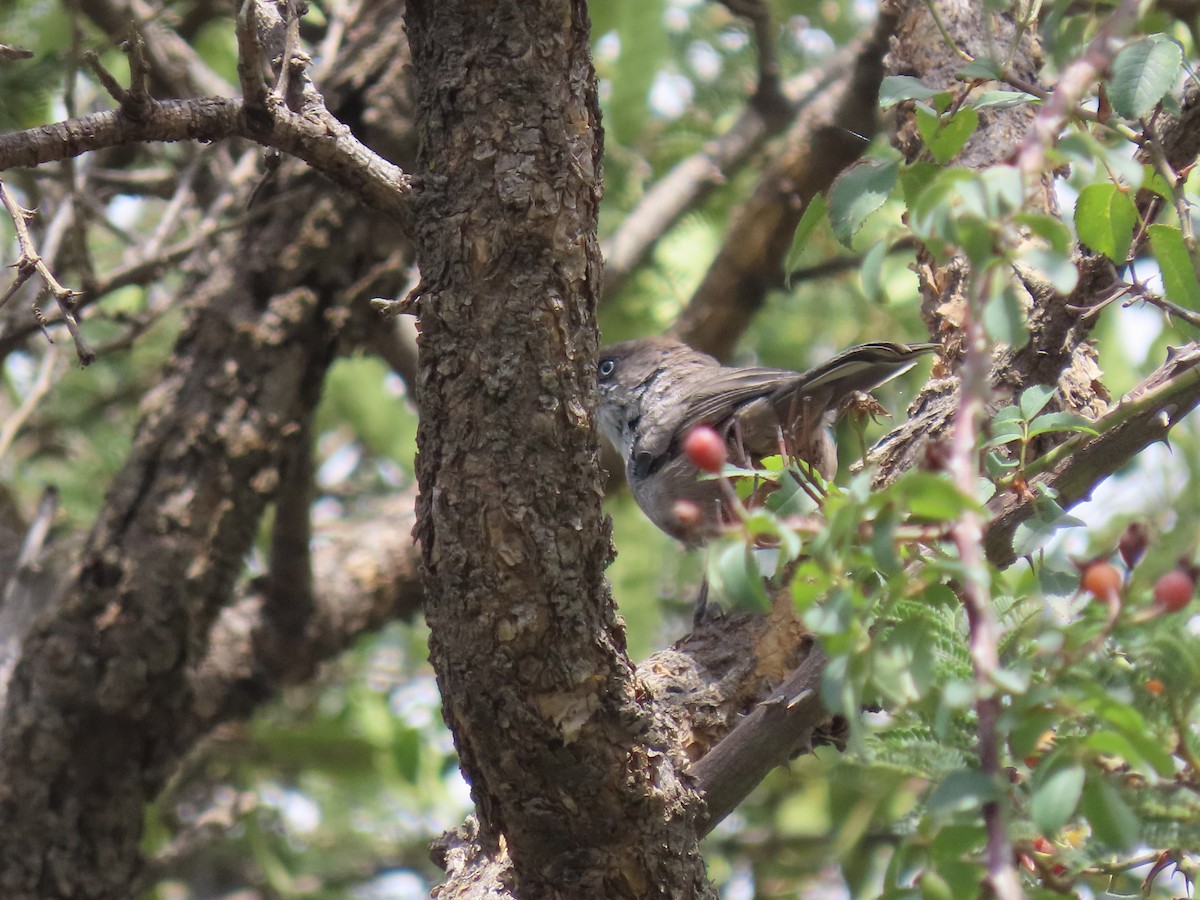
(983,628)
(31,262)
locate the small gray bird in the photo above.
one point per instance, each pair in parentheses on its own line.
(653,391)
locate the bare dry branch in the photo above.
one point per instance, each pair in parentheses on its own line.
(31,262)
(323,143)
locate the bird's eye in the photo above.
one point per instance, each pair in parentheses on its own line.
(606,367)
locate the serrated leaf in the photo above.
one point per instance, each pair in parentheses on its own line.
(1056,798)
(871,271)
(897,88)
(1104,218)
(1175,263)
(1113,822)
(813,214)
(1061,421)
(963,791)
(983,69)
(1142,73)
(946,136)
(1007,415)
(1034,399)
(733,573)
(859,192)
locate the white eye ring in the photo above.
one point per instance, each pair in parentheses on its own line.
(606,367)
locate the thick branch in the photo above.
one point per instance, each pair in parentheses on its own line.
(827,137)
(1145,416)
(325,144)
(693,179)
(366,572)
(766,738)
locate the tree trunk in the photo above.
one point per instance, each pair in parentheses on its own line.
(561,747)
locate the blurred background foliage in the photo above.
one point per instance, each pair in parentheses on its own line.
(336,790)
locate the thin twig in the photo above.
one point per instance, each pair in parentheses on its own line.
(1174,309)
(64,297)
(38,390)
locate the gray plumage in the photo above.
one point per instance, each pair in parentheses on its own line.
(653,391)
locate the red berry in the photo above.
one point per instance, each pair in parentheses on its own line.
(1101,579)
(704,447)
(1174,590)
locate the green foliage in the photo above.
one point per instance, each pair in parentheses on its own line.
(1097,729)
(1099,715)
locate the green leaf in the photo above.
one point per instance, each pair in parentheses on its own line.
(1116,744)
(859,192)
(1061,421)
(933,497)
(1056,268)
(1104,218)
(983,68)
(406,751)
(1001,99)
(897,88)
(1056,797)
(871,271)
(734,575)
(1113,822)
(1142,73)
(946,136)
(1050,228)
(901,664)
(1004,318)
(915,178)
(883,542)
(1034,399)
(1030,536)
(1175,263)
(814,213)
(1131,724)
(962,791)
(931,214)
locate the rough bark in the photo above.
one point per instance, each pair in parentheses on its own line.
(101,704)
(920,49)
(558,740)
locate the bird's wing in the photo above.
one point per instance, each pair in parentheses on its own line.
(723,392)
(713,394)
